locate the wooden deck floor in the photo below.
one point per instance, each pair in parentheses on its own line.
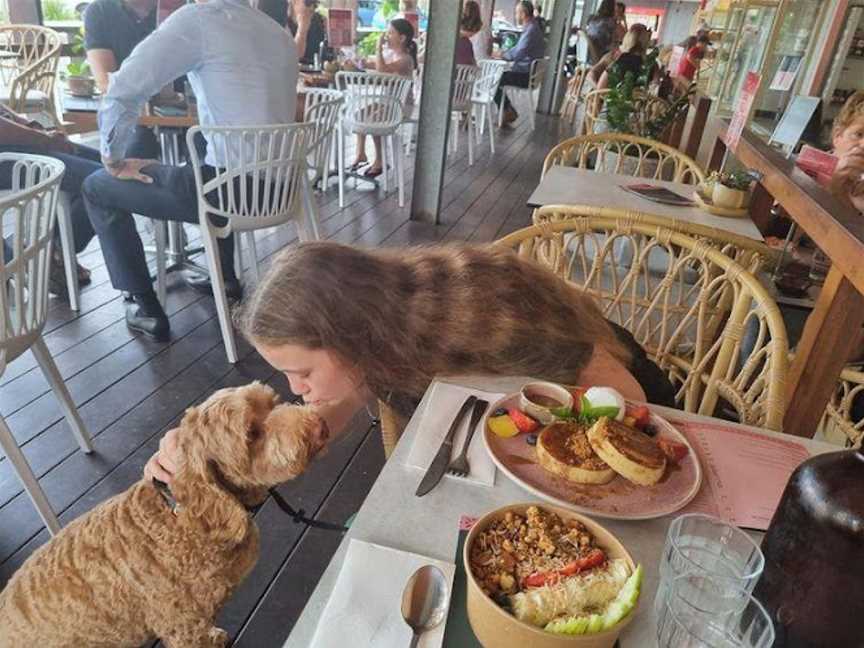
(130,390)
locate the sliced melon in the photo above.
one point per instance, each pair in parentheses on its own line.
(570,626)
(615,612)
(626,600)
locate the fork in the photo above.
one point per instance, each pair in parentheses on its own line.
(459,466)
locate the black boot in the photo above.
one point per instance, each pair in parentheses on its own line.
(233,287)
(145,315)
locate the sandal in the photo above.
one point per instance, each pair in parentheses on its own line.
(372,173)
(357,165)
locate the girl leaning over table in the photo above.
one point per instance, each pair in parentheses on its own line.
(401,59)
(348,326)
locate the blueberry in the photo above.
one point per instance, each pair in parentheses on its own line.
(500,412)
(531,439)
(650,430)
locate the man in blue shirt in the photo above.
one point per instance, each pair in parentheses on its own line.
(531,46)
(243,69)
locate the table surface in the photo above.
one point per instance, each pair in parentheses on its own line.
(392,516)
(564,185)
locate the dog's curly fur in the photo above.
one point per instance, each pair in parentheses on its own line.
(131,570)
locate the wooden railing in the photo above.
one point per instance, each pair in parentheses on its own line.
(833,329)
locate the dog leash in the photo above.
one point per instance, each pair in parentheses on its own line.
(300,516)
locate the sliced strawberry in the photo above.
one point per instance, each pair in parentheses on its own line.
(577,393)
(673,450)
(525,423)
(641,415)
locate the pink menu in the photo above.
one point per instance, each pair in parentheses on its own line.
(744,472)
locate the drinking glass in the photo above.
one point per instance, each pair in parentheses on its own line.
(710,547)
(701,611)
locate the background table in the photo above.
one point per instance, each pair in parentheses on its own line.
(564,185)
(392,516)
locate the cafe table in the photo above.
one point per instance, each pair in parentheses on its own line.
(394,517)
(563,185)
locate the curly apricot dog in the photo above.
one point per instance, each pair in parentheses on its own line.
(132,569)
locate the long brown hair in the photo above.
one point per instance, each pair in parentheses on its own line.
(402,316)
(471,20)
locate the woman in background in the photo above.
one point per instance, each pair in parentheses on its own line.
(308,27)
(469,27)
(401,60)
(600,31)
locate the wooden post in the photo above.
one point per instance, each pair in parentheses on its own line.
(697,127)
(760,207)
(830,336)
(715,163)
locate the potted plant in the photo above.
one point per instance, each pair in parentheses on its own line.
(731,190)
(79,81)
(632,109)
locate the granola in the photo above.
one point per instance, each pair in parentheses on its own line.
(515,547)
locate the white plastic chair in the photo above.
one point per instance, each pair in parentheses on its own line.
(483,99)
(31,210)
(262,183)
(529,95)
(67,245)
(323,108)
(374,105)
(462,107)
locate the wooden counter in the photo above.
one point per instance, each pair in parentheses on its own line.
(832,331)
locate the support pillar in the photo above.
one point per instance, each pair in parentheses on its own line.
(434,122)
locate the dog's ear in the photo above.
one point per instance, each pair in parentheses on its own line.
(196,488)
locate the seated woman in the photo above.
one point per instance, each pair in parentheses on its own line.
(847,136)
(469,26)
(347,325)
(401,60)
(631,58)
(643,37)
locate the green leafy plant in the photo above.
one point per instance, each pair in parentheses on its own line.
(740,180)
(369,44)
(77,44)
(56,10)
(389,7)
(78,68)
(587,414)
(631,109)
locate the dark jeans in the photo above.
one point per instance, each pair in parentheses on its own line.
(79,164)
(509,78)
(171,197)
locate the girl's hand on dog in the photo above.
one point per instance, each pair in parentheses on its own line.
(163,464)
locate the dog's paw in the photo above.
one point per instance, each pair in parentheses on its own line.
(218,638)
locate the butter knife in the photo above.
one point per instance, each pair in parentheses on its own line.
(439,464)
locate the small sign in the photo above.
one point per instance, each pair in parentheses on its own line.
(340,28)
(786,73)
(742,109)
(798,114)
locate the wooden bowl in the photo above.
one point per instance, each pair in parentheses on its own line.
(497,628)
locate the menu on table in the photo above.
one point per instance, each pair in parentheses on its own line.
(744,473)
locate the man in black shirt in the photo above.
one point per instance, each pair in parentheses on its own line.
(112,29)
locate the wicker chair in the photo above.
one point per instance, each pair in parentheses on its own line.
(839,424)
(594,111)
(29,77)
(749,253)
(625,155)
(573,96)
(707,322)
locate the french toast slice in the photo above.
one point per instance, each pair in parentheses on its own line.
(563,449)
(629,452)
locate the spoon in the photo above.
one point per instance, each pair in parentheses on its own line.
(424,600)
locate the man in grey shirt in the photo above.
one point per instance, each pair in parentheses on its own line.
(531,46)
(243,69)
